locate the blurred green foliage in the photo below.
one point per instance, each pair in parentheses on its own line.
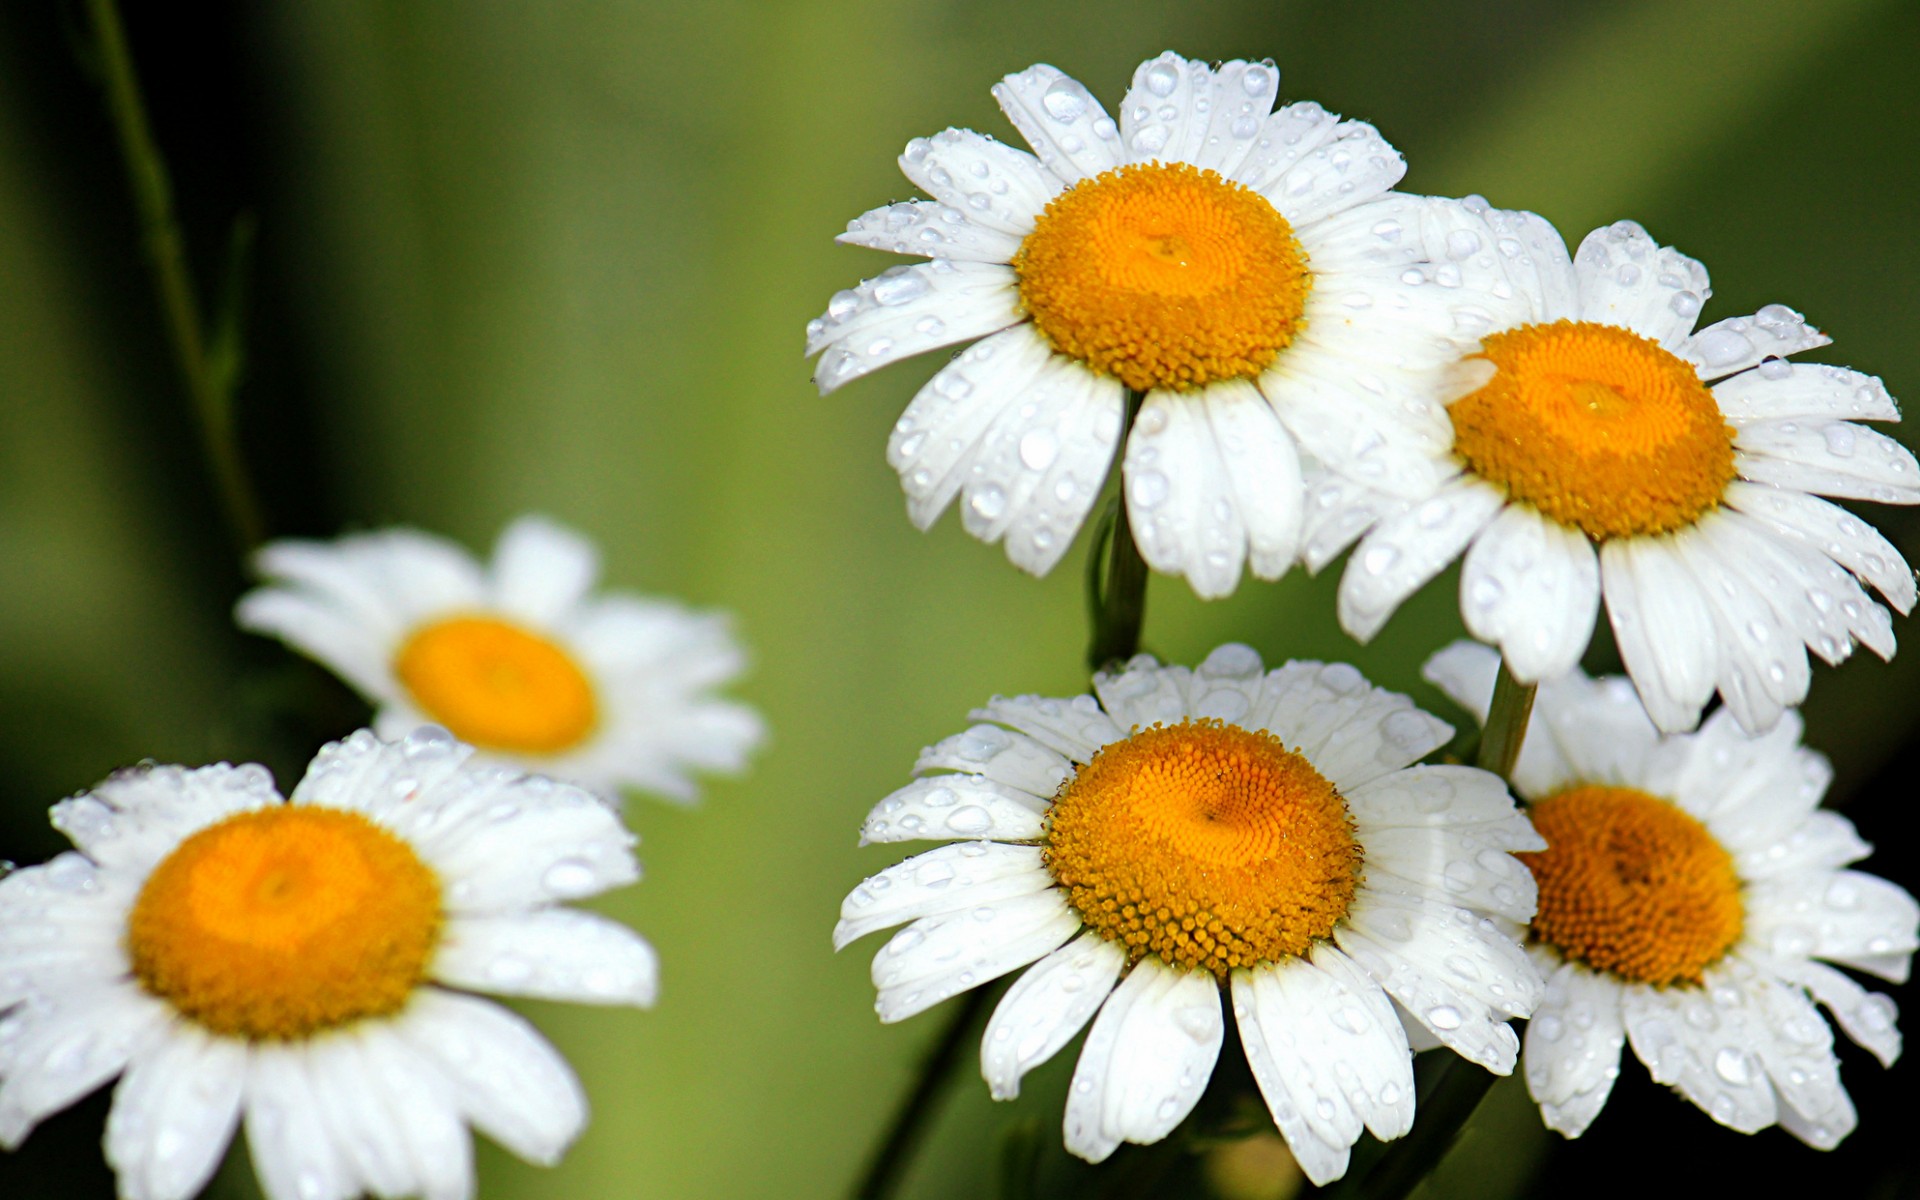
(557,257)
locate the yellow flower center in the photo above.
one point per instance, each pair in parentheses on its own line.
(282,922)
(1204,844)
(497,685)
(1631,885)
(1596,427)
(1164,276)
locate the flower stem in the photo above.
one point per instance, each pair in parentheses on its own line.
(209,372)
(1119,601)
(1506,724)
(890,1161)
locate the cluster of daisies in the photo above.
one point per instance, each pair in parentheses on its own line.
(1292,360)
(306,965)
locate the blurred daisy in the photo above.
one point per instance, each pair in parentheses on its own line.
(1247,271)
(306,966)
(1689,885)
(515,657)
(1179,832)
(1592,459)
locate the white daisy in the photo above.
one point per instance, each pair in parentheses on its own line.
(515,657)
(1690,884)
(1247,270)
(1182,831)
(1591,459)
(305,966)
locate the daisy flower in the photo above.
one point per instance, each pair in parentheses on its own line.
(1183,832)
(306,966)
(1594,456)
(516,657)
(1247,271)
(1690,886)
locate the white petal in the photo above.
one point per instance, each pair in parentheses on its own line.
(403,1085)
(294,1153)
(1763,660)
(1442,795)
(935,441)
(1038,467)
(1860,460)
(1845,916)
(1045,1008)
(1180,499)
(998,187)
(1444,971)
(1466,671)
(1062,121)
(174,1113)
(1738,343)
(1167,111)
(541,569)
(1243,94)
(942,880)
(929,228)
(1628,279)
(908,310)
(955,806)
(942,956)
(1002,756)
(365,1136)
(1798,1055)
(137,816)
(1532,587)
(1537,264)
(535,843)
(1822,841)
(1701,1041)
(1328,1054)
(1718,772)
(555,953)
(382,779)
(507,1080)
(1665,630)
(1339,510)
(1463,865)
(1349,730)
(1833,531)
(1572,1049)
(1076,728)
(1846,484)
(1869,1018)
(1325,405)
(1600,727)
(51,1057)
(1146,1060)
(1291,131)
(1142,692)
(1406,550)
(1782,390)
(339,640)
(1263,474)
(1352,167)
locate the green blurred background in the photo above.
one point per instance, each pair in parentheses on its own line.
(558,256)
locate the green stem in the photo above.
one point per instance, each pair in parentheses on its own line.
(895,1152)
(1506,725)
(1119,601)
(208,386)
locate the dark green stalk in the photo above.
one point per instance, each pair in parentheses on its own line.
(209,372)
(1506,724)
(895,1153)
(1119,600)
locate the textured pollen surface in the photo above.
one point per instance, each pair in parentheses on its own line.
(1596,427)
(282,922)
(1631,885)
(1164,276)
(1206,845)
(497,685)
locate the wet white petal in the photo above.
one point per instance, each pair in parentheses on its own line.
(1532,587)
(941,956)
(942,880)
(507,1080)
(1628,279)
(929,228)
(954,806)
(174,1113)
(1062,121)
(540,569)
(1146,1059)
(1738,343)
(996,186)
(556,954)
(1045,1008)
(1406,550)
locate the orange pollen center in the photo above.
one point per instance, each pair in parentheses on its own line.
(1206,845)
(1631,885)
(282,922)
(1164,276)
(1596,427)
(497,685)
